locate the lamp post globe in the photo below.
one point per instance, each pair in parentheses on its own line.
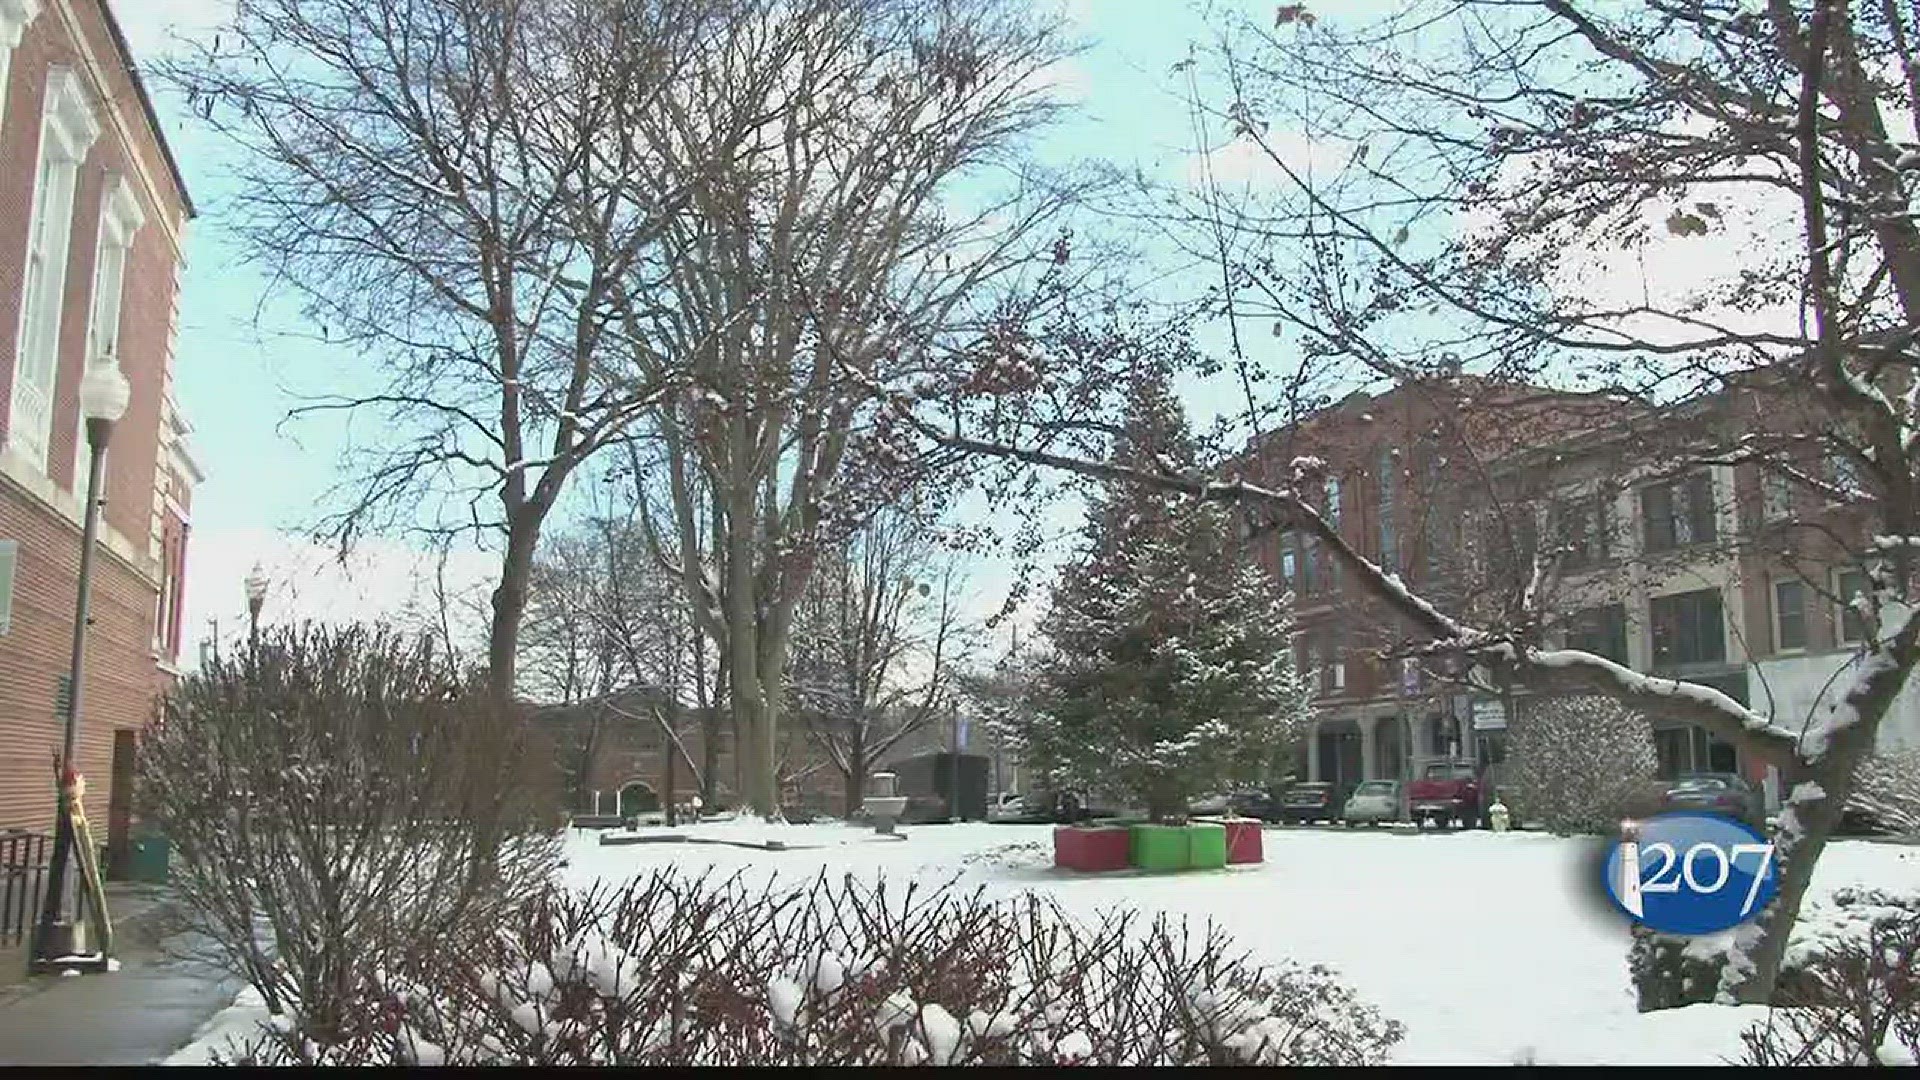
(256,584)
(104,392)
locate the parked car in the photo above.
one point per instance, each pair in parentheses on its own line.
(1255,804)
(1008,806)
(1446,792)
(1373,802)
(1720,793)
(1312,801)
(1214,805)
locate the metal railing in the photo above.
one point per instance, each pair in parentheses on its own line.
(23,874)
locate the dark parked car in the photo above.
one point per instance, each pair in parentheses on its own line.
(1720,793)
(1255,804)
(1314,801)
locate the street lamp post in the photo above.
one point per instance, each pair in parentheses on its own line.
(256,598)
(103,399)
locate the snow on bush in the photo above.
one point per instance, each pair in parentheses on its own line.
(677,970)
(1578,764)
(1848,991)
(1887,788)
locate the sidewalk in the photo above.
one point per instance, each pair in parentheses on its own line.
(138,1015)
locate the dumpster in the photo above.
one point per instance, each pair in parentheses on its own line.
(148,856)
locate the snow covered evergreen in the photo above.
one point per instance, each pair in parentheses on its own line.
(1171,670)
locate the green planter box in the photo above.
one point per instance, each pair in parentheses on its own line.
(1178,847)
(1159,847)
(1207,846)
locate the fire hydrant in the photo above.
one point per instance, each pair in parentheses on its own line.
(1498,817)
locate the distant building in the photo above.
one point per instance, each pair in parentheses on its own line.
(1724,575)
(93,218)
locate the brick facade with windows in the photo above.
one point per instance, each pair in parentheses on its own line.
(118,219)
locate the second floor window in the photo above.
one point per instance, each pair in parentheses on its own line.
(1585,528)
(1679,512)
(1333,502)
(1688,628)
(1601,631)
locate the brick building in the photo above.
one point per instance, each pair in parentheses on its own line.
(93,216)
(1725,575)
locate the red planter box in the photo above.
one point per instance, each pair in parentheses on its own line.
(1101,848)
(1243,842)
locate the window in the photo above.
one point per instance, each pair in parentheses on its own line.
(1389,555)
(1333,502)
(1688,629)
(1847,585)
(1585,524)
(1789,615)
(1333,672)
(1289,563)
(1679,512)
(1776,497)
(67,128)
(120,218)
(1304,558)
(1601,631)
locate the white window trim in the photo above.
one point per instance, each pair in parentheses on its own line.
(67,129)
(1773,604)
(120,218)
(14,17)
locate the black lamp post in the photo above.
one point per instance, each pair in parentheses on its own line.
(256,597)
(103,399)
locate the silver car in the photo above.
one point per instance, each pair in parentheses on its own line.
(1373,802)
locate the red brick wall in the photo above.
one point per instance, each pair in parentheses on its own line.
(122,677)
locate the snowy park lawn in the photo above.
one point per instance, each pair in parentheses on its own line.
(1488,947)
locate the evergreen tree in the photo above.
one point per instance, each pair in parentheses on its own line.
(1171,669)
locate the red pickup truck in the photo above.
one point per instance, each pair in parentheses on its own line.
(1448,791)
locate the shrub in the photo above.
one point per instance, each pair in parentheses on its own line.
(675,970)
(1854,998)
(1578,764)
(1887,789)
(334,802)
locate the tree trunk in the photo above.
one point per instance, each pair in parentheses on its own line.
(856,780)
(510,604)
(1753,977)
(672,803)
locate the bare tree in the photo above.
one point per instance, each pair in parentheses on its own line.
(876,638)
(447,187)
(836,234)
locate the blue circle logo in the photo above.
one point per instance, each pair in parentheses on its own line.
(1690,873)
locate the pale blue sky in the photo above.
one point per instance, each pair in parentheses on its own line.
(242,355)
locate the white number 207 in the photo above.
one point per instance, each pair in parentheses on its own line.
(1689,869)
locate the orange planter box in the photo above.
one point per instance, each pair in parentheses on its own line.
(1243,842)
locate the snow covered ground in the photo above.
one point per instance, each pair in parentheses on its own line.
(1490,948)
